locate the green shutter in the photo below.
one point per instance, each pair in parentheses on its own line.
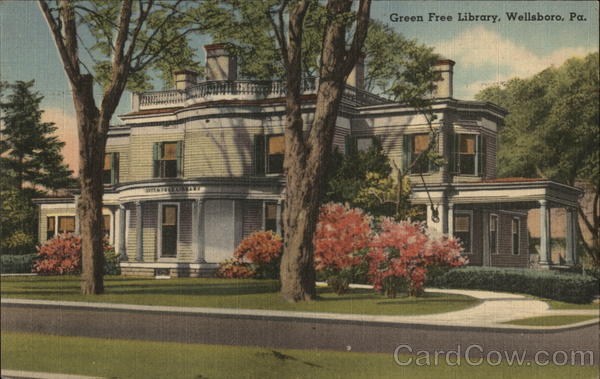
(478,150)
(484,156)
(451,152)
(114,168)
(406,151)
(179,153)
(155,157)
(259,154)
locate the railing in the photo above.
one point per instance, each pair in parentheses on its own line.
(243,89)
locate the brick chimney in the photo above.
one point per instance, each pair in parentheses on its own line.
(357,75)
(445,86)
(220,64)
(184,79)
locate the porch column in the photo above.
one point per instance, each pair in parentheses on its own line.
(544,234)
(77,223)
(571,236)
(450,219)
(139,232)
(278,217)
(198,230)
(122,229)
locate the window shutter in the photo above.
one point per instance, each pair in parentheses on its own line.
(435,149)
(350,145)
(114,168)
(155,157)
(454,156)
(406,151)
(179,155)
(483,156)
(259,154)
(478,150)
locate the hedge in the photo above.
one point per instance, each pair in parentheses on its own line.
(572,288)
(16,264)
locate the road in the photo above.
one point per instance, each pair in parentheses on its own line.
(293,334)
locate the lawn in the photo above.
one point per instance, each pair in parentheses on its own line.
(142,359)
(555,304)
(227,293)
(556,320)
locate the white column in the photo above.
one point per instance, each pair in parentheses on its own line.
(279,210)
(571,235)
(139,232)
(122,222)
(450,219)
(198,230)
(544,234)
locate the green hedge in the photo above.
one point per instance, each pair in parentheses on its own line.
(16,264)
(572,288)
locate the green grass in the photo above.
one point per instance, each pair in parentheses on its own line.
(142,359)
(557,320)
(227,293)
(555,304)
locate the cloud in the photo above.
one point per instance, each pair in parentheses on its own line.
(481,48)
(67,132)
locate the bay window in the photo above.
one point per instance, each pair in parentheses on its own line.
(467,154)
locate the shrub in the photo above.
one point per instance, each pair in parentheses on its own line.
(340,242)
(15,264)
(573,288)
(401,254)
(258,256)
(61,255)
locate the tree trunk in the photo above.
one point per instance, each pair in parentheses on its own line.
(89,208)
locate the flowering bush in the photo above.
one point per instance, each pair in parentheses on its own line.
(401,254)
(340,243)
(62,255)
(257,256)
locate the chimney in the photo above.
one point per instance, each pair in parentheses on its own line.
(357,75)
(444,87)
(184,79)
(220,64)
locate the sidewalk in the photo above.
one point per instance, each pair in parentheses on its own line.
(494,310)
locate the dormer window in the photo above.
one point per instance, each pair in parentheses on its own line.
(167,159)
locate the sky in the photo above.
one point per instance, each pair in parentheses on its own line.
(485,52)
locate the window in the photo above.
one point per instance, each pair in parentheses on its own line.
(414,146)
(168,230)
(516,224)
(364,143)
(467,154)
(167,159)
(462,230)
(269,151)
(354,144)
(110,172)
(493,234)
(51,227)
(66,224)
(275,154)
(106,225)
(270,217)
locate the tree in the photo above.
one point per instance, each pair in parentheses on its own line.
(130,40)
(552,131)
(29,152)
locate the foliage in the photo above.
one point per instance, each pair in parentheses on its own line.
(18,218)
(402,252)
(13,264)
(552,130)
(341,239)
(61,255)
(258,256)
(572,288)
(29,150)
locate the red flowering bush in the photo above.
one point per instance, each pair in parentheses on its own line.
(401,254)
(341,241)
(257,256)
(62,256)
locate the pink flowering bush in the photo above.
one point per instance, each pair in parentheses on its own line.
(257,256)
(62,256)
(401,254)
(341,240)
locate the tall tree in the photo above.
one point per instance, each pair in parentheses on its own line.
(129,40)
(552,132)
(30,153)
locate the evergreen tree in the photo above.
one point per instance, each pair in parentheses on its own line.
(29,150)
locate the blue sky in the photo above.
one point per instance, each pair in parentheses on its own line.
(485,52)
